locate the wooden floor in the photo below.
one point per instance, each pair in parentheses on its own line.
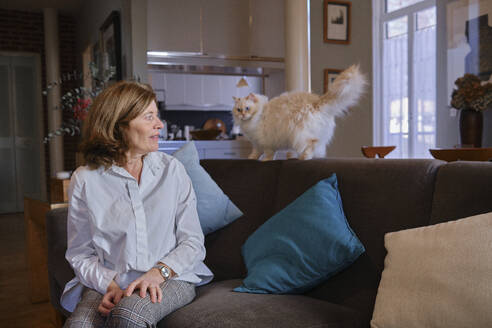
(15,308)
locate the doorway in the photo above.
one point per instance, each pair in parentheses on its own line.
(21,126)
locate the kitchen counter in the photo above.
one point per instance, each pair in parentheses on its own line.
(207,149)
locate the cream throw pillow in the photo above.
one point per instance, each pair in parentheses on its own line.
(437,276)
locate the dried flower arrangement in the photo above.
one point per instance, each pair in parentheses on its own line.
(78,100)
(472,93)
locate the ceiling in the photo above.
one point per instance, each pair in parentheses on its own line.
(64,6)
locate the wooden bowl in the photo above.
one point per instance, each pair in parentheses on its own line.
(462,154)
(214,123)
(210,134)
(380,151)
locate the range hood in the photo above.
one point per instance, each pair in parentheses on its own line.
(170,58)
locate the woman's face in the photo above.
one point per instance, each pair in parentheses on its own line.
(143,132)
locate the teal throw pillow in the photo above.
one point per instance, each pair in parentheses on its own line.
(215,209)
(302,245)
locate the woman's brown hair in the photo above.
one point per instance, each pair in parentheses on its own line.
(104,139)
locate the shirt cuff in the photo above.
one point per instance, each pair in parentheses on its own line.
(108,276)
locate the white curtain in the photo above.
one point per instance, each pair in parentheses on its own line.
(395,94)
(424,120)
(412,138)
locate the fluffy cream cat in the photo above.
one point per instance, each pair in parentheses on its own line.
(301,121)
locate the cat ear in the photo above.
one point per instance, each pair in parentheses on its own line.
(252,97)
(235,99)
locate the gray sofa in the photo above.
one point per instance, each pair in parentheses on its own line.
(379,196)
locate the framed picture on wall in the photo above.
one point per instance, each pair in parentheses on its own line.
(111,44)
(330,76)
(95,63)
(336,21)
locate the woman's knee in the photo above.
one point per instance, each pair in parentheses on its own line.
(132,311)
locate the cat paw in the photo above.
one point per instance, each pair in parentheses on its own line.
(304,157)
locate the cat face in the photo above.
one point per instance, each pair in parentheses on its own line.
(245,108)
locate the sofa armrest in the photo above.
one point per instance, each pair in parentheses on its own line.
(59,270)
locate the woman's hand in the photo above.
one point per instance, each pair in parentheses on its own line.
(113,295)
(151,281)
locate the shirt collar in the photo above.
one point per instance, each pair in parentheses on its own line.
(151,160)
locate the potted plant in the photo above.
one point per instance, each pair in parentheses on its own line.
(472,96)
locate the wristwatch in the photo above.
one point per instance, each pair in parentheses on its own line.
(164,270)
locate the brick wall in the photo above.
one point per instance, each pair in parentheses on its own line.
(23,31)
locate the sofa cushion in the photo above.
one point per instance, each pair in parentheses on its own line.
(252,186)
(216,305)
(437,276)
(215,209)
(376,194)
(305,243)
(462,189)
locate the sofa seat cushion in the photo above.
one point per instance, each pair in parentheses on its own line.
(216,305)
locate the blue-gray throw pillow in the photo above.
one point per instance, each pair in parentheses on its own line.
(215,209)
(302,245)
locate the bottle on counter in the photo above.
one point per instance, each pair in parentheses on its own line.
(163,131)
(187,129)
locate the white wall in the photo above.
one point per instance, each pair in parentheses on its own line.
(355,129)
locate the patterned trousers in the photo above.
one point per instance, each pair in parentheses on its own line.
(132,311)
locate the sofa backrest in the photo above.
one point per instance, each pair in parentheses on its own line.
(462,189)
(252,186)
(379,196)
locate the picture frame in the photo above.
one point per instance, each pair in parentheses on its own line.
(110,43)
(96,61)
(330,75)
(336,21)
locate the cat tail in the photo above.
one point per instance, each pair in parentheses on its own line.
(344,92)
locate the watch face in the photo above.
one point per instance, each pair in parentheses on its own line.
(165,272)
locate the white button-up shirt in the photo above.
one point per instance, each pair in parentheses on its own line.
(119,229)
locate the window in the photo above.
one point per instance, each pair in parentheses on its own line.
(405,76)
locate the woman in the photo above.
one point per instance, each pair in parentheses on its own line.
(134,239)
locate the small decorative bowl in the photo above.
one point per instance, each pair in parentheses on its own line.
(379,151)
(210,134)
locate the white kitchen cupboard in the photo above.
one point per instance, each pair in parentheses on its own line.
(226,27)
(174,25)
(201,91)
(267,28)
(231,28)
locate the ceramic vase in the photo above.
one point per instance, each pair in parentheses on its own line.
(471,128)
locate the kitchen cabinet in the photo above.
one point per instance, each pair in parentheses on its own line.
(231,28)
(201,91)
(226,27)
(267,28)
(174,25)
